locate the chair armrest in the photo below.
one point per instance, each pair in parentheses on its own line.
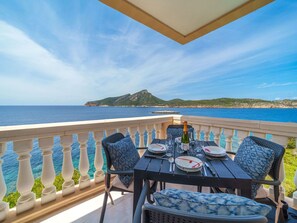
(269,182)
(141,148)
(125,172)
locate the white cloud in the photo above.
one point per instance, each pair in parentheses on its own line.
(269,85)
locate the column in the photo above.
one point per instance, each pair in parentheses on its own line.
(242,135)
(48,171)
(149,130)
(25,179)
(98,160)
(132,132)
(84,166)
(67,167)
(141,136)
(228,134)
(3,205)
(217,133)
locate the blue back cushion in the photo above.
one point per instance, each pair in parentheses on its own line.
(255,160)
(124,156)
(177,131)
(205,203)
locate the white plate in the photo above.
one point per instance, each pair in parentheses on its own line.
(214,151)
(157,148)
(188,163)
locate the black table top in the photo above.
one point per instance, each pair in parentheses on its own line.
(227,173)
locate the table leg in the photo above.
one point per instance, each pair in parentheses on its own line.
(246,192)
(138,183)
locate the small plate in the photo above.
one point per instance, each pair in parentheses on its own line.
(157,148)
(188,163)
(215,151)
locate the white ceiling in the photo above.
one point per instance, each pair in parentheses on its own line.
(186,16)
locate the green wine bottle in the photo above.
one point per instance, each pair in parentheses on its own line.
(185,138)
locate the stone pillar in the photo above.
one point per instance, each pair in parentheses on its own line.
(25,179)
(48,170)
(3,205)
(228,134)
(67,167)
(84,166)
(98,161)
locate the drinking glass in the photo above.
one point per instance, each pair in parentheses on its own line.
(169,146)
(199,145)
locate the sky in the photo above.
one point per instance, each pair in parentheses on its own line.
(55,52)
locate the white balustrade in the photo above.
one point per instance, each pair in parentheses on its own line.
(25,179)
(67,167)
(84,166)
(22,137)
(3,205)
(48,171)
(98,160)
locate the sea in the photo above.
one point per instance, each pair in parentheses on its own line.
(22,115)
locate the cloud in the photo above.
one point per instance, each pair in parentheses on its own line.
(269,85)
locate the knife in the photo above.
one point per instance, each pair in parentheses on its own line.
(211,170)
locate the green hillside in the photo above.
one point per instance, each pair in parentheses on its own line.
(144,98)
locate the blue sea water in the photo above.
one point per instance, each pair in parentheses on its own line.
(21,115)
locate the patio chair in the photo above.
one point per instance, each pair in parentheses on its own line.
(158,214)
(116,184)
(273,173)
(177,130)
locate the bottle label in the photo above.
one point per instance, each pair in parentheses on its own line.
(185,146)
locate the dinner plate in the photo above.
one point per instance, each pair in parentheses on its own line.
(215,151)
(157,148)
(188,163)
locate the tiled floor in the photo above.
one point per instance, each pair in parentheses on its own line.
(90,210)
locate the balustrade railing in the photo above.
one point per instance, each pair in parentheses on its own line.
(140,129)
(226,132)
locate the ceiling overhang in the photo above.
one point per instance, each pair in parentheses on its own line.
(185,20)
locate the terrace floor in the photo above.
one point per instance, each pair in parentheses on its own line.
(89,211)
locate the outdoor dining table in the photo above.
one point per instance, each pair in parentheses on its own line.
(225,174)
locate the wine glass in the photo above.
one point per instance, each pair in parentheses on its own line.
(169,146)
(199,145)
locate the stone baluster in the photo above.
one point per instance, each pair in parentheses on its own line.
(3,205)
(123,131)
(48,170)
(98,160)
(149,130)
(132,132)
(84,166)
(282,140)
(228,134)
(242,135)
(109,132)
(141,136)
(206,130)
(197,128)
(158,130)
(67,167)
(25,179)
(217,132)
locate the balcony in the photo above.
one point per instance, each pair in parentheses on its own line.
(83,201)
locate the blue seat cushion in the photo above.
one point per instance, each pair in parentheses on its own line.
(255,160)
(124,156)
(205,203)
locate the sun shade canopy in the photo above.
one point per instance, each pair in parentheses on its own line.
(185,20)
